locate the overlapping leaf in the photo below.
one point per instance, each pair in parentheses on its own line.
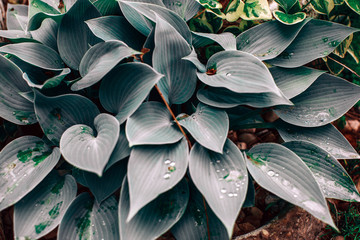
(222,179)
(155,218)
(327,99)
(209,127)
(354,5)
(289,19)
(185,9)
(56,114)
(24,163)
(41,10)
(329,173)
(87,149)
(42,209)
(280,171)
(87,219)
(47,33)
(121,150)
(107,7)
(152,124)
(226,40)
(126,87)
(327,137)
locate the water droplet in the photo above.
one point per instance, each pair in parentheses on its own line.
(167,176)
(247,41)
(276,174)
(325,39)
(223,190)
(217,161)
(14,113)
(217,170)
(221,196)
(228,74)
(103,223)
(227,152)
(167,161)
(172,164)
(295,195)
(88,147)
(230,195)
(235,194)
(285,182)
(271,173)
(159,220)
(179,4)
(82,128)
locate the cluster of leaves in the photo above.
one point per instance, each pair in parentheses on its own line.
(104,79)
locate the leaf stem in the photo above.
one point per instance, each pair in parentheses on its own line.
(172,114)
(307,4)
(344,66)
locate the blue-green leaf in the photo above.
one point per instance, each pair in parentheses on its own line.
(37,78)
(56,114)
(226,40)
(47,33)
(87,149)
(153,170)
(327,99)
(107,7)
(222,179)
(121,150)
(24,163)
(208,126)
(16,17)
(280,171)
(152,124)
(155,218)
(39,212)
(87,219)
(124,89)
(185,8)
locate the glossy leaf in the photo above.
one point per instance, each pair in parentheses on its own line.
(289,19)
(323,7)
(124,89)
(222,179)
(294,81)
(56,114)
(39,11)
(152,124)
(14,107)
(116,28)
(39,212)
(224,98)
(354,5)
(87,149)
(153,170)
(86,219)
(99,60)
(192,57)
(74,36)
(286,4)
(24,163)
(36,54)
(155,218)
(327,137)
(179,82)
(278,37)
(280,171)
(121,150)
(317,39)
(327,99)
(193,224)
(47,33)
(208,126)
(226,40)
(37,78)
(107,7)
(185,9)
(239,72)
(329,173)
(248,10)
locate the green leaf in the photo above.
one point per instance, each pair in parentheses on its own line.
(16,17)
(16,35)
(354,5)
(226,40)
(269,39)
(233,10)
(323,7)
(41,10)
(224,98)
(280,171)
(192,57)
(208,126)
(317,39)
(327,137)
(179,82)
(99,60)
(36,54)
(56,114)
(155,218)
(210,4)
(107,7)
(103,187)
(39,212)
(185,9)
(47,33)
(124,89)
(255,10)
(121,150)
(14,107)
(34,78)
(153,170)
(329,173)
(36,6)
(193,225)
(74,36)
(116,28)
(289,19)
(86,219)
(327,99)
(152,124)
(239,72)
(24,163)
(87,149)
(222,179)
(286,4)
(294,81)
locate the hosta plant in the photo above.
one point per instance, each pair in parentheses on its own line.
(125,100)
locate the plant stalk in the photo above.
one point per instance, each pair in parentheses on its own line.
(352,71)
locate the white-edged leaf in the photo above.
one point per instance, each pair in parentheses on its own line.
(39,212)
(208,126)
(222,179)
(168,164)
(152,124)
(24,163)
(289,19)
(280,171)
(121,150)
(87,149)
